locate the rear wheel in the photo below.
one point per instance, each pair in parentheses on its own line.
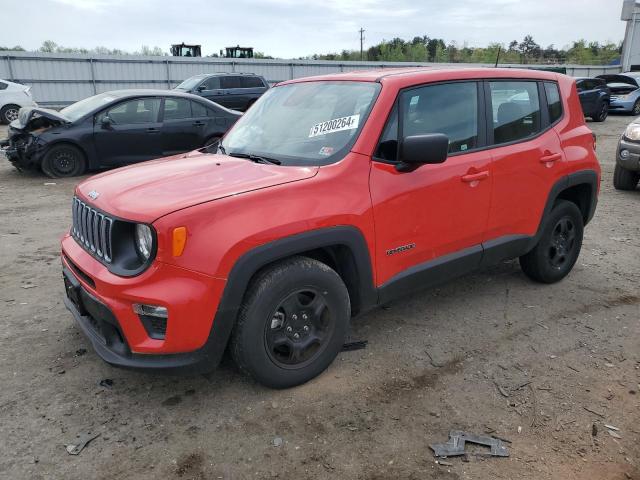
(292,323)
(9,113)
(559,246)
(64,161)
(636,108)
(624,179)
(602,113)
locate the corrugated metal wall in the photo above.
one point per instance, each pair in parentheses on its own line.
(60,79)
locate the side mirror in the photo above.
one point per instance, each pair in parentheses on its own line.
(416,150)
(106,122)
(202,88)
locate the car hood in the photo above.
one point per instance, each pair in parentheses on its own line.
(619,78)
(27,116)
(150,190)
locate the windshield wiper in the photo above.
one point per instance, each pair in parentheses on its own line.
(256,158)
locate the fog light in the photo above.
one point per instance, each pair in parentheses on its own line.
(153,318)
(150,310)
(624,153)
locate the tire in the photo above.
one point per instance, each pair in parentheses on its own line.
(559,246)
(624,179)
(64,161)
(602,113)
(636,108)
(9,113)
(278,339)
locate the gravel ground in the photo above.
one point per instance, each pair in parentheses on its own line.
(545,367)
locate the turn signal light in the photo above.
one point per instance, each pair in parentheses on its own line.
(179,240)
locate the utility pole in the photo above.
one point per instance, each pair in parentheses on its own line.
(361,43)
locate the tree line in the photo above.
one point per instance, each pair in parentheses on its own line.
(426,49)
(420,49)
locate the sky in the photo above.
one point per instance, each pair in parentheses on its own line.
(291,28)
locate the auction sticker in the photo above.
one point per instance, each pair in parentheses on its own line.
(335,125)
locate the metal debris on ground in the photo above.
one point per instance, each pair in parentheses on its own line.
(83,441)
(357,345)
(458,439)
(277,442)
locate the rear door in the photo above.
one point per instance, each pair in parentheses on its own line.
(434,210)
(526,154)
(182,131)
(132,134)
(588,94)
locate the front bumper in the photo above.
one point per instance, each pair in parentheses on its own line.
(102,305)
(23,153)
(619,105)
(632,160)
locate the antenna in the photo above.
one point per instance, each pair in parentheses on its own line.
(361,43)
(498,56)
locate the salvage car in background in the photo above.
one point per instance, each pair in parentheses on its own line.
(13,96)
(594,98)
(625,92)
(627,170)
(232,90)
(113,129)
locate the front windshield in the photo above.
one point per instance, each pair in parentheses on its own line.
(190,83)
(79,109)
(307,123)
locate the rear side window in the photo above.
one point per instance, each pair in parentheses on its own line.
(252,82)
(553,101)
(230,82)
(515,109)
(450,108)
(198,109)
(3,86)
(176,108)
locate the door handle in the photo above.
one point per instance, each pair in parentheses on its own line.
(550,159)
(475,177)
(198,124)
(153,130)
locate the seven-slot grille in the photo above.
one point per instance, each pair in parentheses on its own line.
(92,230)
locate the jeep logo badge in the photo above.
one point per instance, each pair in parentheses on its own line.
(93,194)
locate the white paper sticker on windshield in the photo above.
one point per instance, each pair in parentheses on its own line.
(335,125)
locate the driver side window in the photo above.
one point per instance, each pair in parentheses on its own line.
(140,110)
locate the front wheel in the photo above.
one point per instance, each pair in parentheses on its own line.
(559,246)
(64,161)
(636,108)
(624,179)
(602,114)
(292,323)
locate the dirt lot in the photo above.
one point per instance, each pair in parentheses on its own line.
(567,356)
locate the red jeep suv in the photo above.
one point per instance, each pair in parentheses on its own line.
(331,195)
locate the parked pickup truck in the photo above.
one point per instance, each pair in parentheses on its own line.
(330,196)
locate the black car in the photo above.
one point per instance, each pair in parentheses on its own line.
(113,129)
(232,90)
(594,97)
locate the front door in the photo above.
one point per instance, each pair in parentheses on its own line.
(128,132)
(436,212)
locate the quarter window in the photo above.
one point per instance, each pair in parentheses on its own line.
(515,110)
(176,108)
(3,86)
(553,101)
(141,110)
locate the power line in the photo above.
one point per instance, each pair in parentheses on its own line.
(361,42)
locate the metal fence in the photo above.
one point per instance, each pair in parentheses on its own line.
(59,79)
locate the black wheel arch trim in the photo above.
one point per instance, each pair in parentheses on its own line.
(251,262)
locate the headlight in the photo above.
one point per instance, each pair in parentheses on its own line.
(144,241)
(633,132)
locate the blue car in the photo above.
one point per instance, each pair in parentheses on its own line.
(625,92)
